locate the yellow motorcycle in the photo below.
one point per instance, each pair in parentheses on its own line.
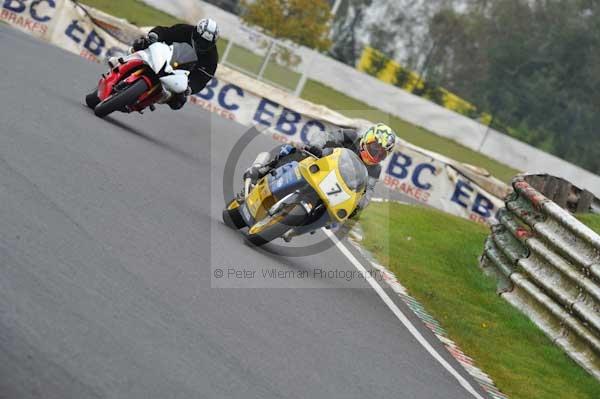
(298,194)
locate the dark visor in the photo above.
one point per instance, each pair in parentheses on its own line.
(376,151)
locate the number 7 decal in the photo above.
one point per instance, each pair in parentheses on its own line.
(331,187)
(335,190)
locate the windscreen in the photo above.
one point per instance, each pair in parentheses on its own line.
(183,53)
(353,171)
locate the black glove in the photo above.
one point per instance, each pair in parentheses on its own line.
(313,149)
(144,42)
(252,173)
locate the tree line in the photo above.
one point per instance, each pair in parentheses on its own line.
(533,65)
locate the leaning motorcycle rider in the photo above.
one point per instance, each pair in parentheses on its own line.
(197,53)
(373,145)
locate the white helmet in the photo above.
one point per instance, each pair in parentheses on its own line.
(205,35)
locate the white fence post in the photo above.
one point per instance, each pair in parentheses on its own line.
(263,67)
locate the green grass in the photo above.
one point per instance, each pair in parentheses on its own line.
(244,59)
(435,255)
(591,220)
(135,11)
(143,15)
(248,62)
(282,76)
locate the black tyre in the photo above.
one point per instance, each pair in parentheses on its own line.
(120,100)
(296,216)
(233,218)
(92,99)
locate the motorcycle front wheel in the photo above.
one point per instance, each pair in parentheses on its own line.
(232,216)
(121,99)
(91,100)
(276,226)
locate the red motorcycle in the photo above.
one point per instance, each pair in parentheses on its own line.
(138,81)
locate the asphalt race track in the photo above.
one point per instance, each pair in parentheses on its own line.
(110,236)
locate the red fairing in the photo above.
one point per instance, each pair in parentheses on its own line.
(146,99)
(130,79)
(106,83)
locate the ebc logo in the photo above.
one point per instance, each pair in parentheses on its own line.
(482,206)
(34,9)
(226,95)
(268,113)
(401,167)
(92,41)
(288,123)
(29,15)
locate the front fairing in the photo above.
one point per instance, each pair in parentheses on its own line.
(177,82)
(107,82)
(258,202)
(158,57)
(337,180)
(340,179)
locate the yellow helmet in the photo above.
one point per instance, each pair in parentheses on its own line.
(376,143)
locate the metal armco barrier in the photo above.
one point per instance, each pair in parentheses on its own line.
(564,193)
(547,264)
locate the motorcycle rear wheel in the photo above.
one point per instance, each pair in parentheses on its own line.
(121,99)
(296,216)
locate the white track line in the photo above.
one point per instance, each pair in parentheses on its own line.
(401,316)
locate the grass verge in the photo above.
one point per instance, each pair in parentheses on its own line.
(435,256)
(143,15)
(135,11)
(251,63)
(591,220)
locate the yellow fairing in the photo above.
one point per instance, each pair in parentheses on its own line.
(324,177)
(264,223)
(233,205)
(260,200)
(329,184)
